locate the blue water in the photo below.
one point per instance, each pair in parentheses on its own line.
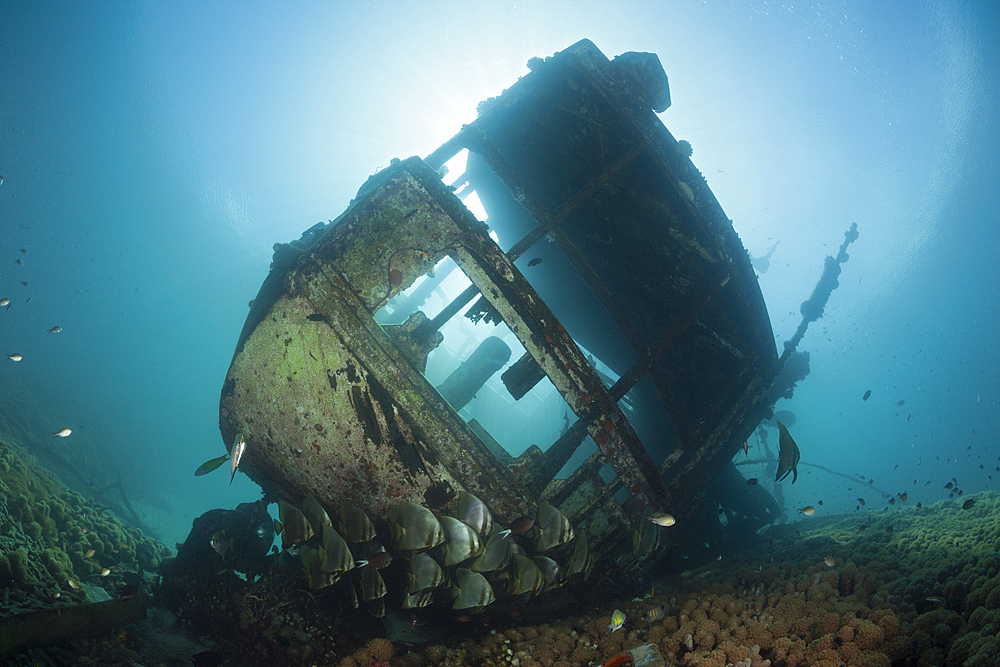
(152,153)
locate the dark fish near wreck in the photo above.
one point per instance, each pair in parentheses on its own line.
(788,455)
(967,505)
(522,524)
(867,394)
(752,481)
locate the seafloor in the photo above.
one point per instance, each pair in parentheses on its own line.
(917,586)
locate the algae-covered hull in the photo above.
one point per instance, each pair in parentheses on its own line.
(631,258)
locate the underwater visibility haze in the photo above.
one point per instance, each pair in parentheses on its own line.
(151,155)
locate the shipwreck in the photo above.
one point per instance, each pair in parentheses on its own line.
(613,286)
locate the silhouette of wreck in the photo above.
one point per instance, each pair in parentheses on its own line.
(608,269)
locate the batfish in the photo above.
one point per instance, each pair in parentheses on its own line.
(788,455)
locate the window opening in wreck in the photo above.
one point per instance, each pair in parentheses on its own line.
(610,477)
(580,456)
(428,293)
(453,174)
(538,418)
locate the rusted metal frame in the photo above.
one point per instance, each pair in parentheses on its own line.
(458,142)
(589,471)
(708,442)
(567,207)
(449,311)
(649,136)
(384,361)
(558,454)
(639,465)
(710,456)
(694,308)
(523,195)
(562,450)
(555,352)
(449,149)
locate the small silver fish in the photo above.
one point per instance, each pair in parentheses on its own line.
(5,302)
(15,357)
(55,329)
(237,453)
(62,433)
(662,519)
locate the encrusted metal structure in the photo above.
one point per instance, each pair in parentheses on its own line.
(641,268)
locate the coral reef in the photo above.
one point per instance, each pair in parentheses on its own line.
(919,586)
(54,543)
(926,592)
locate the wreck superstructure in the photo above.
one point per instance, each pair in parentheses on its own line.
(610,271)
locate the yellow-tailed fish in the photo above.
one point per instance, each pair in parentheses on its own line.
(645,539)
(372,585)
(221,543)
(617,621)
(312,555)
(315,514)
(207,466)
(236,454)
(419,599)
(808,510)
(337,557)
